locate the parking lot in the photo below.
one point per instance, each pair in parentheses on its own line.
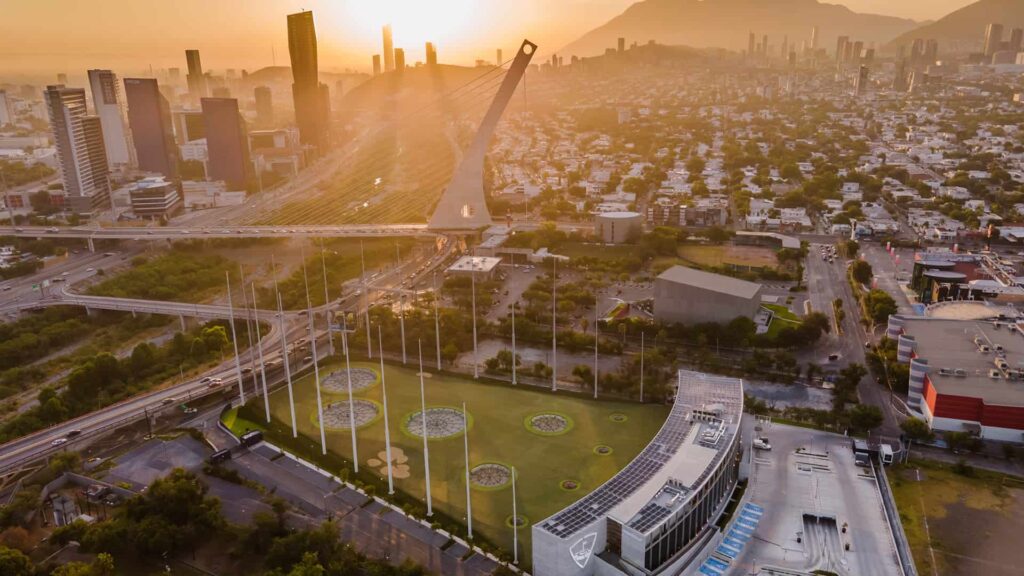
(821,511)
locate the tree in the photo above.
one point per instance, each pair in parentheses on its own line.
(449,352)
(584,373)
(308,566)
(861,272)
(65,461)
(14,563)
(880,305)
(917,430)
(103,565)
(865,418)
(850,248)
(17,538)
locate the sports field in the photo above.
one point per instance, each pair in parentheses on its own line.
(548,438)
(710,255)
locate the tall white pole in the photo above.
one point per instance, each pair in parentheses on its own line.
(234,340)
(469,499)
(437,324)
(595,348)
(401,321)
(327,301)
(351,404)
(513,343)
(287,366)
(248,333)
(259,344)
(387,429)
(515,521)
(472,275)
(366,299)
(316,366)
(554,327)
(423,423)
(641,367)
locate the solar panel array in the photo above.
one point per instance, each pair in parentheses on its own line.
(649,516)
(696,391)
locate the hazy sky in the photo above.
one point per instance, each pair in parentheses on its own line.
(130,35)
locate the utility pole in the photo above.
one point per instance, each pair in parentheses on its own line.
(401,321)
(423,423)
(554,326)
(287,367)
(437,323)
(316,365)
(351,404)
(259,343)
(595,348)
(515,521)
(366,299)
(472,275)
(469,499)
(513,343)
(234,340)
(327,301)
(641,367)
(387,429)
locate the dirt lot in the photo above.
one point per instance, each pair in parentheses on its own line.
(960,524)
(754,256)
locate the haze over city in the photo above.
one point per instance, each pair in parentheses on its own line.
(496,288)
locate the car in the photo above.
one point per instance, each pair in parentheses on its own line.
(72,433)
(90,269)
(167,401)
(762,443)
(868,344)
(65,273)
(58,441)
(833,357)
(206,380)
(307,359)
(214,382)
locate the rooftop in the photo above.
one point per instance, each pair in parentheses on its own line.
(710,281)
(973,347)
(689,446)
(474,264)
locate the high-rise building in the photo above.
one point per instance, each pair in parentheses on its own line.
(399,59)
(174,75)
(149,117)
(841,43)
(264,105)
(389,49)
(899,80)
(785,47)
(227,142)
(106,100)
(195,78)
(498,59)
(221,92)
(1016,40)
(62,78)
(78,138)
(306,85)
(863,76)
(814,39)
(764,45)
(622,45)
(431,54)
(751,41)
(993,38)
(858,52)
(931,51)
(6,108)
(376,64)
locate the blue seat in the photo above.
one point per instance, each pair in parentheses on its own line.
(753,507)
(708,571)
(727,551)
(734,543)
(741,530)
(716,564)
(739,536)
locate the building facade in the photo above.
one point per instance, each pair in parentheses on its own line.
(618,227)
(78,138)
(149,117)
(227,142)
(109,106)
(154,198)
(690,296)
(309,110)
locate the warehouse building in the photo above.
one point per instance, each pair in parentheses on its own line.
(690,296)
(658,513)
(965,375)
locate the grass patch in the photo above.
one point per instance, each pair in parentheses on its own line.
(784,317)
(728,255)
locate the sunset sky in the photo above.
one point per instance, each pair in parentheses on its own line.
(43,36)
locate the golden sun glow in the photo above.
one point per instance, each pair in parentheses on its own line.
(413,22)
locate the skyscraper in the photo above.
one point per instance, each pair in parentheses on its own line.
(196,80)
(750,44)
(863,76)
(931,51)
(622,45)
(841,43)
(399,59)
(149,117)
(264,106)
(227,142)
(376,64)
(764,45)
(389,50)
(78,138)
(306,85)
(498,59)
(899,80)
(858,50)
(1016,40)
(431,54)
(814,39)
(993,38)
(106,99)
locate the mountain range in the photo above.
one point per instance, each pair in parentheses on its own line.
(964,29)
(727,23)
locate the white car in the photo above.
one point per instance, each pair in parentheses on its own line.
(59,441)
(762,443)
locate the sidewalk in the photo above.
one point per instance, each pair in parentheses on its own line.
(977,460)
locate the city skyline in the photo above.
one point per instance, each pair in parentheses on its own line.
(114,36)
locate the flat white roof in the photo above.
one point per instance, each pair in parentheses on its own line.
(474,264)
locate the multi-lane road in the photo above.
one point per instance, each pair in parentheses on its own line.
(94,232)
